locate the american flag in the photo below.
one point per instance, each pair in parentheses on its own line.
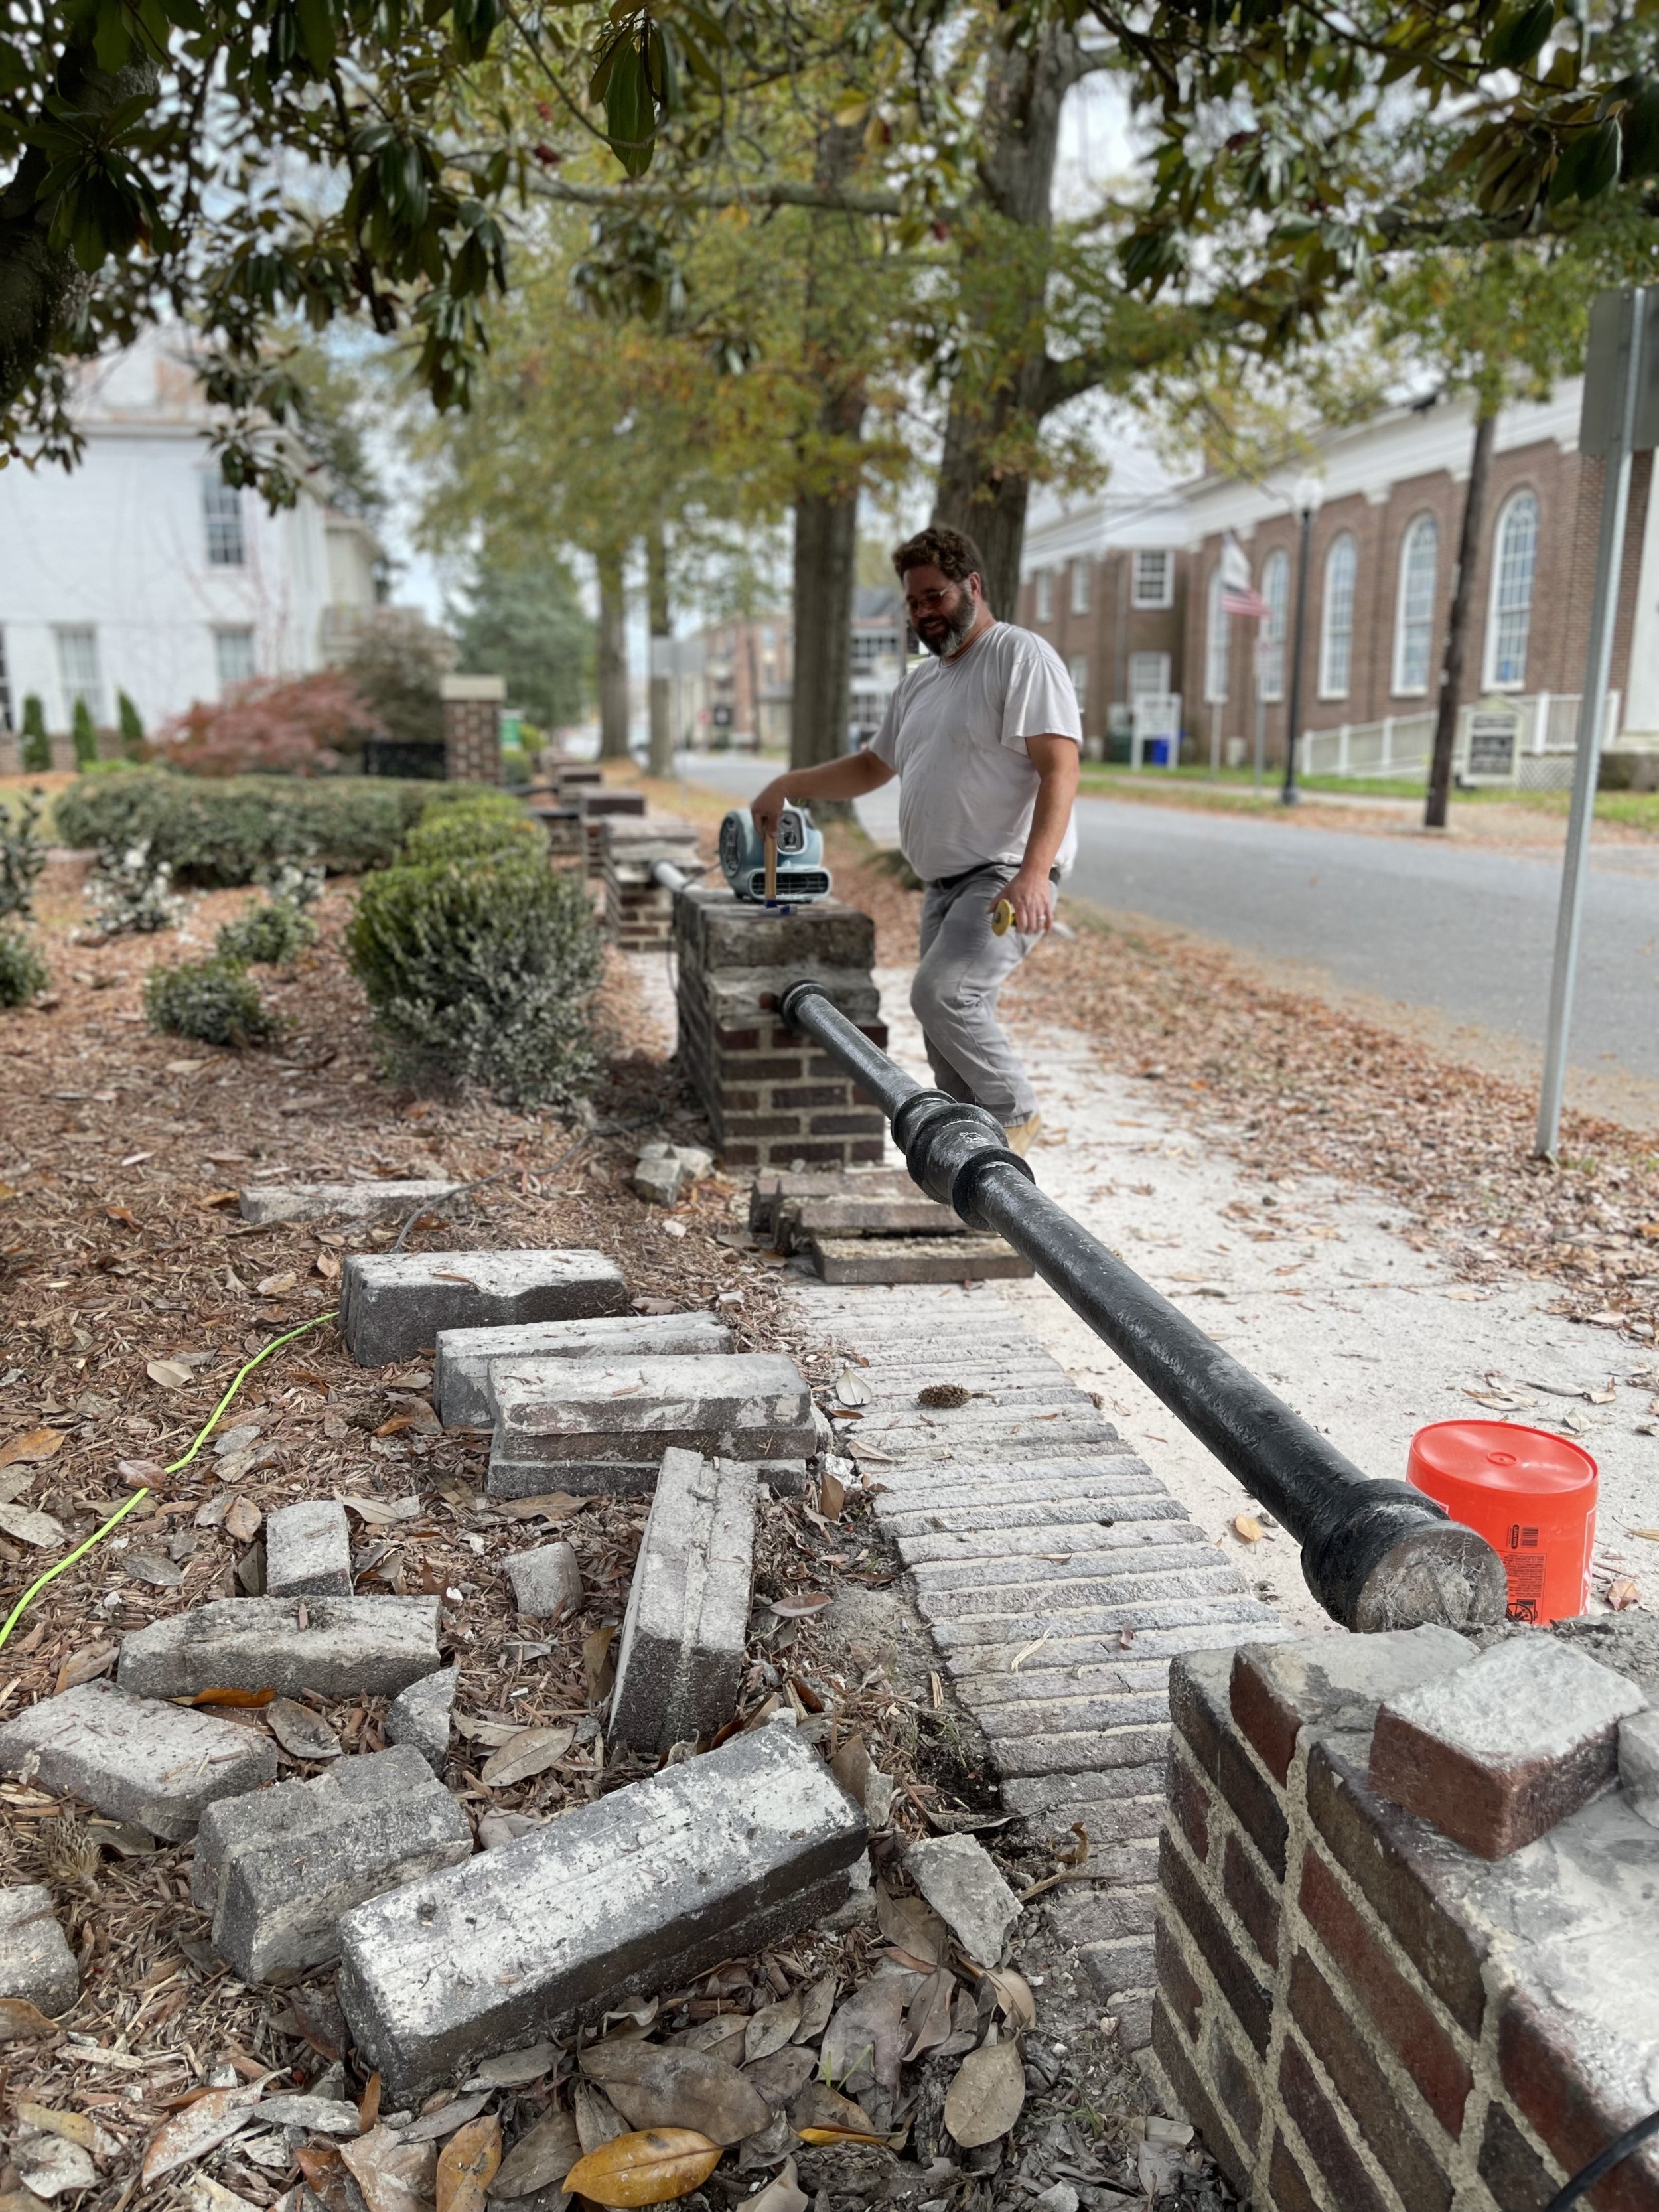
(1238,595)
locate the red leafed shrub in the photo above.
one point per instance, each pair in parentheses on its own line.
(284,725)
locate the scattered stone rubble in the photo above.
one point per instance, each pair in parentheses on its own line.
(688,1610)
(392,1306)
(368,1203)
(461,1391)
(308,1550)
(373,1646)
(421,1716)
(36,1962)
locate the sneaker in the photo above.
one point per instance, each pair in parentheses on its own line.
(1022,1135)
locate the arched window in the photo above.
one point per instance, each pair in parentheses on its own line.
(1413,628)
(1514,559)
(1218,642)
(1336,619)
(1276,590)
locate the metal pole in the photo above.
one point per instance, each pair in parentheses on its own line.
(1261,721)
(1293,715)
(1376,1554)
(1592,714)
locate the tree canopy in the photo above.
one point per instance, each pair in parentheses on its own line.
(524,622)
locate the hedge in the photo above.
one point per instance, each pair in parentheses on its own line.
(226,832)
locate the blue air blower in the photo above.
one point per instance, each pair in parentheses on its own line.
(801,874)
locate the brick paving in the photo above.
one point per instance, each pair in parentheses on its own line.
(1058,1577)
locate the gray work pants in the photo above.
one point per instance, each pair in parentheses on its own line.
(954,995)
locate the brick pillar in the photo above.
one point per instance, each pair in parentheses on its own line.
(772,1097)
(639,914)
(598,807)
(472,728)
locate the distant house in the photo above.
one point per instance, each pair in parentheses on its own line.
(879,632)
(141,571)
(1387,507)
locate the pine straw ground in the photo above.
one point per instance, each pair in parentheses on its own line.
(120,1246)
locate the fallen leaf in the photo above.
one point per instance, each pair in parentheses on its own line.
(433,2127)
(546,1505)
(599,1672)
(771,2027)
(913,1925)
(862,2044)
(800,1608)
(492,1734)
(382,1512)
(783,2075)
(597,2120)
(124,1214)
(29,1527)
(251,1697)
(539,2159)
(822,2108)
(985,2100)
(19,2020)
(1623,1595)
(531,1751)
(513,2070)
(929,2017)
(1014,1995)
(152,1568)
(200,2128)
(1647,1535)
(1246,1528)
(392,2175)
(653,2167)
(783,2193)
(86,1666)
(13,1485)
(275,1286)
(851,1767)
(326,2176)
(467,2165)
(218,1197)
(50,2168)
(169,1374)
(73,2127)
(31,1447)
(657,2086)
(369,2111)
(243,1520)
(203,2193)
(852,1390)
(832,1495)
(301,1732)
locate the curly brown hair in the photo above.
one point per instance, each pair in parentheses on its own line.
(951,552)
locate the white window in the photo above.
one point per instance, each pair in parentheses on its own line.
(222,514)
(1045,594)
(1218,642)
(1078,669)
(1153,582)
(1414,632)
(1336,618)
(1514,559)
(1080,587)
(1149,676)
(1275,588)
(77,672)
(233,650)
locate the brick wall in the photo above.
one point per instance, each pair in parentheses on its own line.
(772,1098)
(1359,2012)
(639,914)
(1109,632)
(597,806)
(472,728)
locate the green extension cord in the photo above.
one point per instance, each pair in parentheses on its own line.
(138,1496)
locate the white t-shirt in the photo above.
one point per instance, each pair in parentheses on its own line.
(955,732)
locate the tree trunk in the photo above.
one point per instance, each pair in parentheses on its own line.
(613,657)
(825,573)
(1457,623)
(984,480)
(662,640)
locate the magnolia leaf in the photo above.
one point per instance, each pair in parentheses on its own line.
(929,2016)
(771,2027)
(1013,1994)
(597,2120)
(863,2042)
(815,2010)
(531,1750)
(393,2176)
(29,1527)
(818,2107)
(200,2128)
(654,2086)
(301,1732)
(467,2165)
(382,1512)
(782,2075)
(985,2100)
(19,2020)
(169,1374)
(783,2193)
(31,1447)
(653,2167)
(540,2160)
(913,1925)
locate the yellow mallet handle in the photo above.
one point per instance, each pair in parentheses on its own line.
(1002,918)
(771,871)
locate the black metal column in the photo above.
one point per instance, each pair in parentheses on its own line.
(1376,1554)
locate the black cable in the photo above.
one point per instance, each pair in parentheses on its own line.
(1604,2161)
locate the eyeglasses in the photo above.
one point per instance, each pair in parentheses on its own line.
(929,603)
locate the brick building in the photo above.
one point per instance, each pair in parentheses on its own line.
(1387,507)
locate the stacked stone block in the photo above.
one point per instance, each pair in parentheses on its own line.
(597,808)
(772,1098)
(472,728)
(639,913)
(1362,2014)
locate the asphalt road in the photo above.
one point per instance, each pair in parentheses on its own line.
(1446,930)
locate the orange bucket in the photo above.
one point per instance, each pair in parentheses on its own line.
(1529,1493)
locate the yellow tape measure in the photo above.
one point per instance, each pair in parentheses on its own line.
(1002,918)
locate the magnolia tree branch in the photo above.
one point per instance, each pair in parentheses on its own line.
(783,192)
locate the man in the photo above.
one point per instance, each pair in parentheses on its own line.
(985,739)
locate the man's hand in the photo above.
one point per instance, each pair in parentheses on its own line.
(1031,896)
(768,805)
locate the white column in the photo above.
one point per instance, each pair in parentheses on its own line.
(1641,712)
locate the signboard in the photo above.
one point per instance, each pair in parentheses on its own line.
(1156,736)
(1601,410)
(720,715)
(1494,735)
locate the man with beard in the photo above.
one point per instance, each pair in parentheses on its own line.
(985,739)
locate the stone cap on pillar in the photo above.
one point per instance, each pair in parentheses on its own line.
(727,931)
(487,689)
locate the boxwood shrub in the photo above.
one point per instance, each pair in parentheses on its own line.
(22,971)
(480,972)
(228,831)
(469,830)
(214,1001)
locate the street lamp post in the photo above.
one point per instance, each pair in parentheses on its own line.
(1307,500)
